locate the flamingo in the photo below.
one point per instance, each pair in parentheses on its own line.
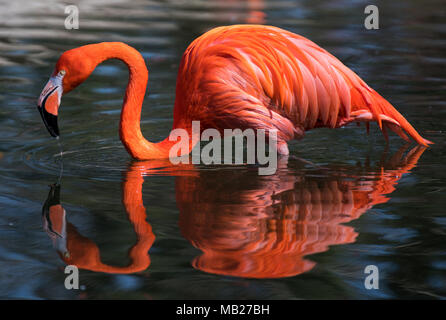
(235,77)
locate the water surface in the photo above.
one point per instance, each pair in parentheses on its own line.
(147,230)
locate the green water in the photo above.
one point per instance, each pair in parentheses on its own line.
(310,229)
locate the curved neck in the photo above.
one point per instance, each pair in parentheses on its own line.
(129,128)
(85,253)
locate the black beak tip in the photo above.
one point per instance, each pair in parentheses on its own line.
(50,121)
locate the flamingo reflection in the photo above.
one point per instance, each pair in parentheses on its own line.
(75,249)
(262,227)
(246,225)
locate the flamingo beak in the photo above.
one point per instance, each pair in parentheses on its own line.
(54,219)
(48,104)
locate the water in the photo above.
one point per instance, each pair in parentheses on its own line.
(223,231)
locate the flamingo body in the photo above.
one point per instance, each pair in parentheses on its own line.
(241,76)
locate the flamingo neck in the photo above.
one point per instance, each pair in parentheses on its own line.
(129,128)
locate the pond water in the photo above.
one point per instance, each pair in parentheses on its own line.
(150,230)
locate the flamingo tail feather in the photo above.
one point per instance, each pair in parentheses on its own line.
(389,118)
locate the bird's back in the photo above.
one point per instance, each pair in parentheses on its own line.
(265,77)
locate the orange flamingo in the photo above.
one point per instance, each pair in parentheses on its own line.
(259,227)
(241,76)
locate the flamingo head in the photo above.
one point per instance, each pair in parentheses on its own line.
(72,68)
(54,220)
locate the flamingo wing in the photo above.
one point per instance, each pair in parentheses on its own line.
(264,77)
